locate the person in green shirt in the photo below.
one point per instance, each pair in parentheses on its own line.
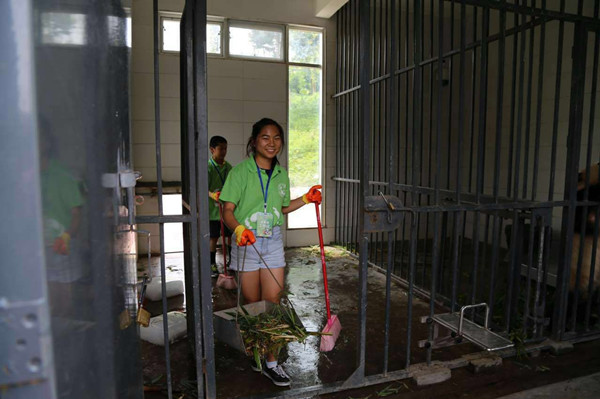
(256,196)
(218,169)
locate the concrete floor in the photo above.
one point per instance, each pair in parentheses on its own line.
(307,366)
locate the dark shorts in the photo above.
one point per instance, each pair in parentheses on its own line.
(215,229)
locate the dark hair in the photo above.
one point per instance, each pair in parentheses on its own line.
(256,129)
(216,140)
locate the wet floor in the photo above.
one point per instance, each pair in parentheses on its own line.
(303,362)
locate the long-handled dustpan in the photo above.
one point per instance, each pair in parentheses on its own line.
(332,329)
(224,280)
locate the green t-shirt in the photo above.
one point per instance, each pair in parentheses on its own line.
(217,174)
(60,194)
(244,190)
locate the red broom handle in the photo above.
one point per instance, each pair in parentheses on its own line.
(323,261)
(223,239)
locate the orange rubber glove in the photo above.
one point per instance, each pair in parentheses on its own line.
(214,195)
(61,244)
(313,195)
(243,236)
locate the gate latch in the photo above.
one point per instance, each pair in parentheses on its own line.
(383,213)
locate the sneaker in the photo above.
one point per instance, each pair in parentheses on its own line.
(254,366)
(214,270)
(277,375)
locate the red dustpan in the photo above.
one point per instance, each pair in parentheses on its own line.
(333,327)
(224,280)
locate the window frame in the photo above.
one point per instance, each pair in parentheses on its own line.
(167,15)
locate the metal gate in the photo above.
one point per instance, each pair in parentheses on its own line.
(477,116)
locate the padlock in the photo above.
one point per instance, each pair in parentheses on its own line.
(143,316)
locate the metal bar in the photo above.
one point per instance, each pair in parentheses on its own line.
(338,108)
(23,287)
(559,59)
(538,118)
(513,108)
(365,161)
(436,238)
(528,112)
(417,100)
(526,315)
(411,273)
(450,93)
(201,132)
(193,281)
(573,150)
(163,272)
(513,272)
(497,224)
(480,144)
(590,135)
(154,219)
(391,160)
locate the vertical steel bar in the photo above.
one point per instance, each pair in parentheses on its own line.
(513,273)
(450,92)
(526,315)
(417,100)
(411,276)
(391,160)
(201,122)
(338,141)
(528,112)
(592,272)
(483,85)
(559,60)
(538,117)
(497,223)
(365,162)
(513,104)
(163,273)
(573,152)
(22,212)
(191,182)
(436,226)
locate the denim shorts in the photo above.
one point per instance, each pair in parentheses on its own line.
(271,250)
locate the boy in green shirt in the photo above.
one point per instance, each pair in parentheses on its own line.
(218,169)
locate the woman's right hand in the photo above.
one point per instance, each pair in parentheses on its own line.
(243,236)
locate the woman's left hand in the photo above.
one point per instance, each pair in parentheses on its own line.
(313,195)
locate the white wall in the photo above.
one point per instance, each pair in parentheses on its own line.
(240,92)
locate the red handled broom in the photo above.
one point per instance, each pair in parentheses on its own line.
(332,329)
(224,280)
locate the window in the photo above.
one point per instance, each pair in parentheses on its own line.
(305,51)
(63,28)
(170,34)
(256,40)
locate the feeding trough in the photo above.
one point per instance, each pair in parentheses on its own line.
(227,331)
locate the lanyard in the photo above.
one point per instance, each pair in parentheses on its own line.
(217,168)
(262,187)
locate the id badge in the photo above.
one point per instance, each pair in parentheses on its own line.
(264,225)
